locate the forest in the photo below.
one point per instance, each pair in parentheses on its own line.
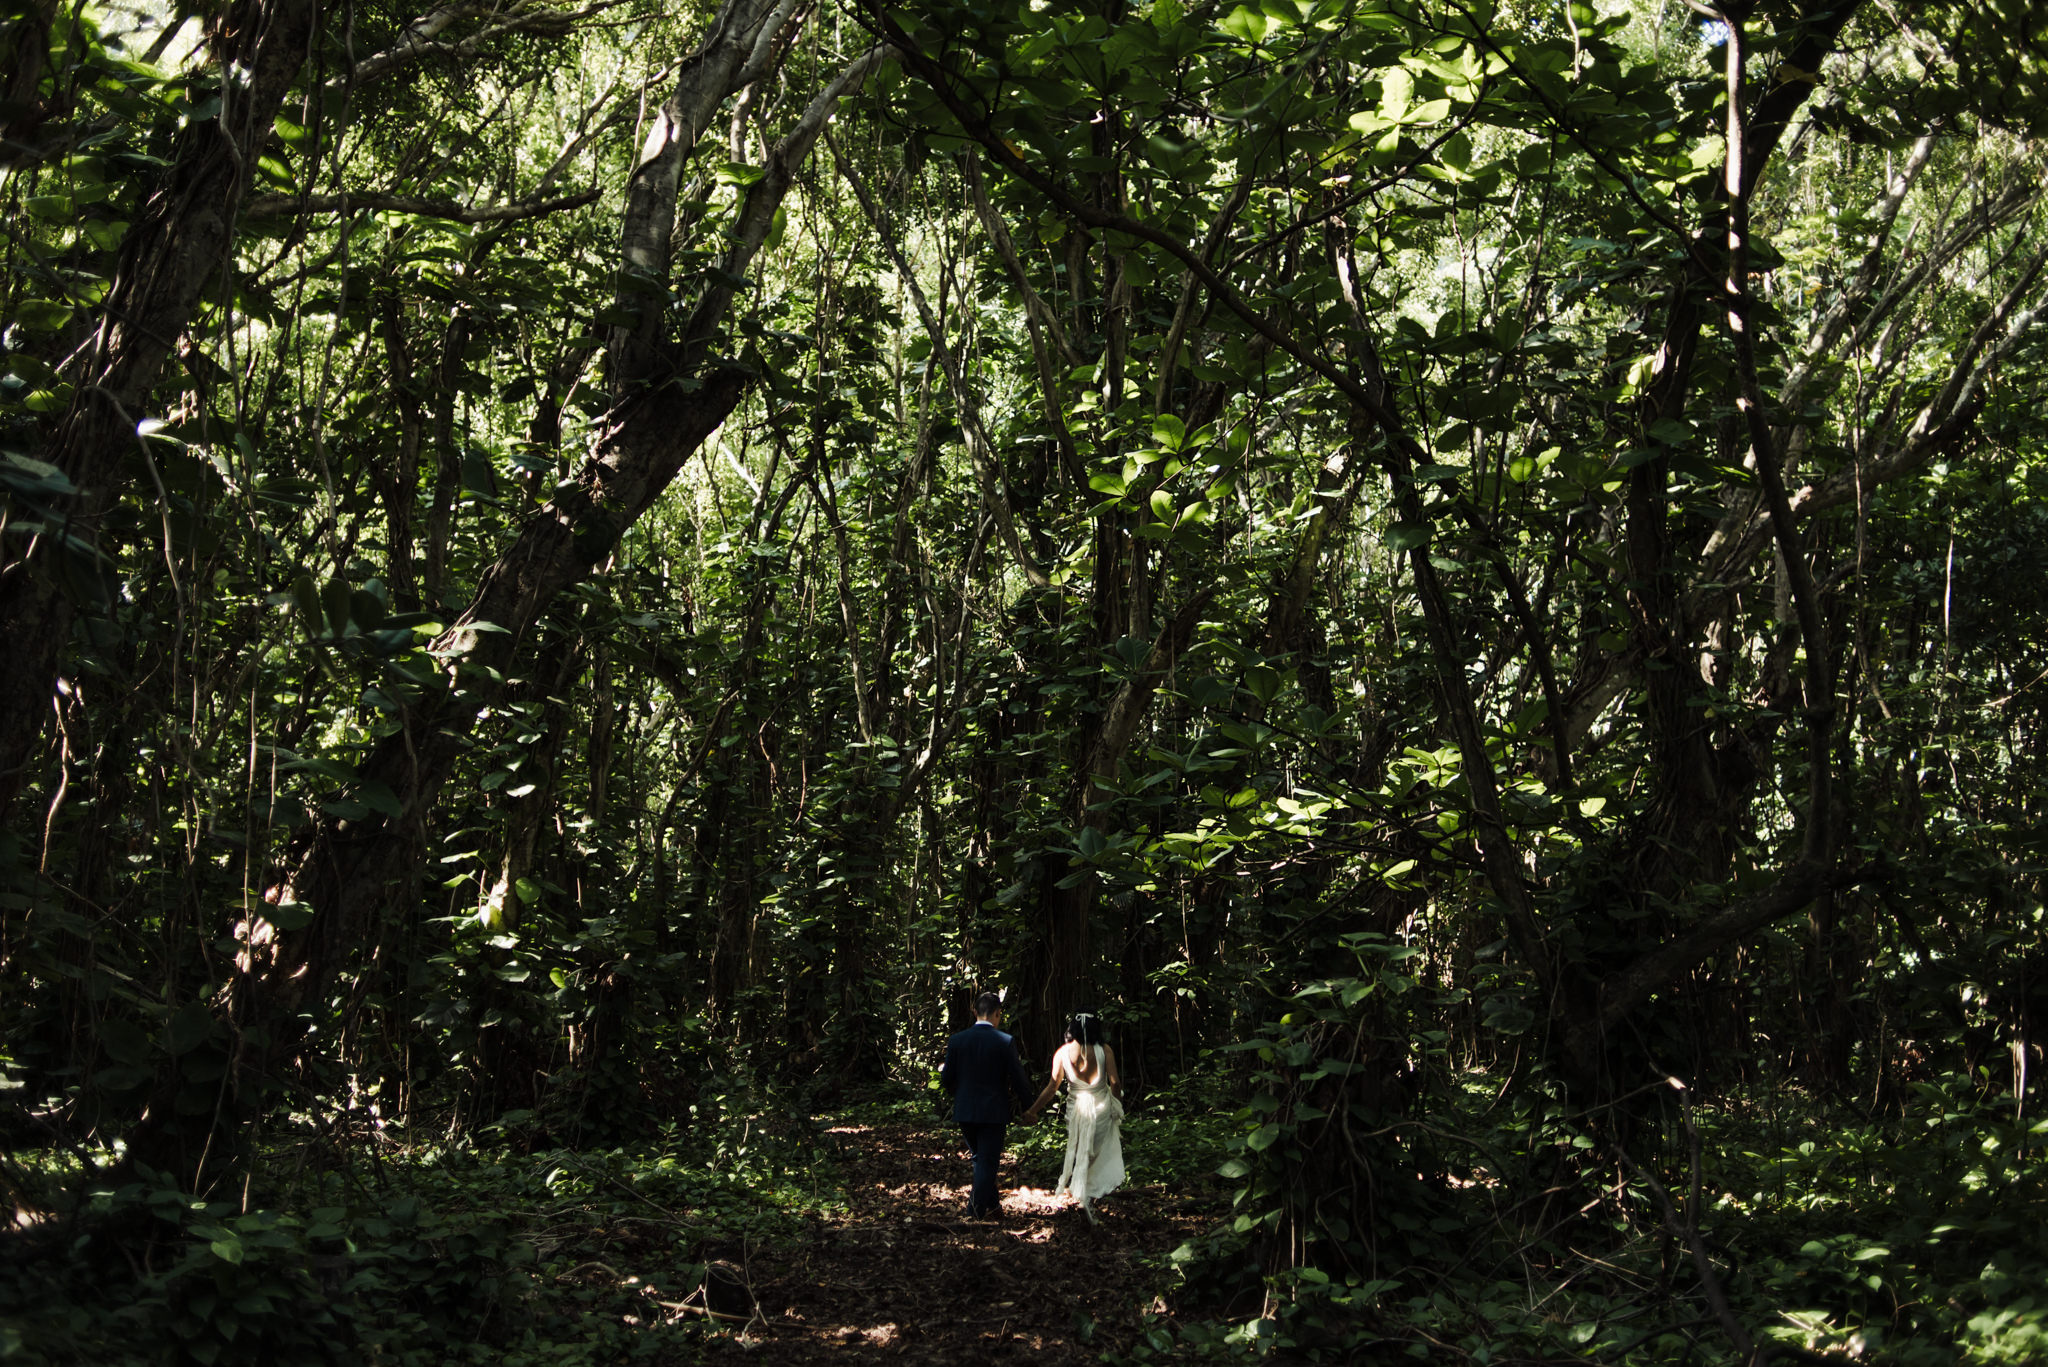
(577,577)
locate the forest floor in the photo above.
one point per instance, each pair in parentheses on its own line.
(903,1277)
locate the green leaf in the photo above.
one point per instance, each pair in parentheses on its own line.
(42,315)
(1245,24)
(124,1041)
(334,596)
(1405,536)
(379,798)
(307,595)
(32,476)
(1397,91)
(189,1027)
(1262,1138)
(121,1079)
(528,890)
(326,768)
(365,608)
(228,1249)
(289,915)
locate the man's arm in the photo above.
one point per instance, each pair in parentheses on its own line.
(948,1076)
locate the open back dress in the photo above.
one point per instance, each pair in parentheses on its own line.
(1095,1148)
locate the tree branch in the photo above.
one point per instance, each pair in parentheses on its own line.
(1820,672)
(416,43)
(1710,1283)
(980,453)
(276,206)
(1623,992)
(647,227)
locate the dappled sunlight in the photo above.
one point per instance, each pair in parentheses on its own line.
(1036,1201)
(904,1273)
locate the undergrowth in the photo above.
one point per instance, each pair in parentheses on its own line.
(422,1256)
(1913,1240)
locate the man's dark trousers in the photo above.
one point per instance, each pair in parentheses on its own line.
(982,1072)
(986,1143)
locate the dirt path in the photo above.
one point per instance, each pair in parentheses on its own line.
(903,1278)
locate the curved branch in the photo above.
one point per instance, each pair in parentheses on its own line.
(1621,993)
(416,44)
(275,206)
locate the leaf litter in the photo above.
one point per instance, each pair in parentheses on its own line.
(903,1276)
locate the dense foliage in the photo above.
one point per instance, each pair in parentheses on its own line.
(1468,575)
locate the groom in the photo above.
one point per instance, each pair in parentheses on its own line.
(983,1073)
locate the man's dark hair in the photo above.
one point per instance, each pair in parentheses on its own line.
(987,1004)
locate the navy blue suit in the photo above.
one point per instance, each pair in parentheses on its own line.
(982,1072)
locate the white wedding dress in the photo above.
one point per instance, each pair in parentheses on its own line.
(1095,1148)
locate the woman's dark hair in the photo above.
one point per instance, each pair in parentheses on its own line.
(1085,1029)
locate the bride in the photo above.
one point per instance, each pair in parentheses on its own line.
(1095,1151)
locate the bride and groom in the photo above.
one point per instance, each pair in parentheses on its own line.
(983,1072)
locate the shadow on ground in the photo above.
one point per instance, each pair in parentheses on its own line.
(904,1278)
